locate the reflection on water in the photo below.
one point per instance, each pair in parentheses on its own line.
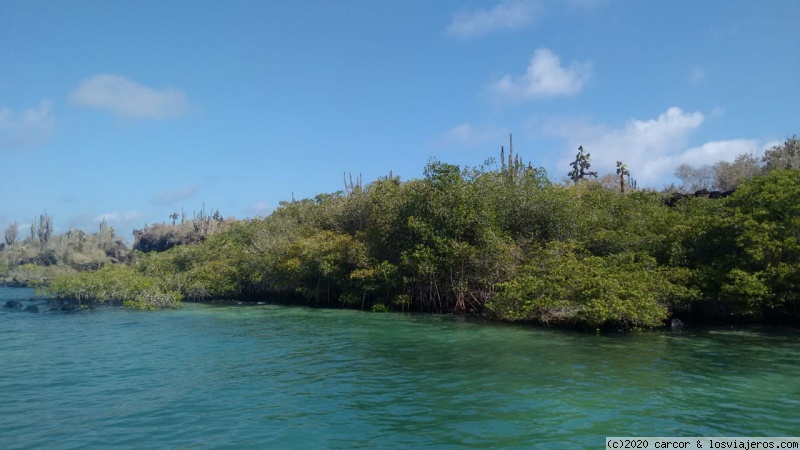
(275,376)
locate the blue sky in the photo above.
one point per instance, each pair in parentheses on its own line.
(133,110)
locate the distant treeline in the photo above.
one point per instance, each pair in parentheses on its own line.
(34,259)
(504,242)
(30,259)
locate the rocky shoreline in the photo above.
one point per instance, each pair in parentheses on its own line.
(37,305)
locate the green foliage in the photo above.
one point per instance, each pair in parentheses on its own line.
(113,283)
(569,286)
(36,259)
(35,275)
(504,242)
(767,218)
(743,252)
(319,266)
(379,308)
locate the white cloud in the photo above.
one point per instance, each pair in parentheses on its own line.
(26,129)
(169,197)
(506,15)
(127,98)
(715,151)
(653,148)
(471,135)
(544,77)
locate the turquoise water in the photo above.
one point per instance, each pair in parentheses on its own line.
(209,376)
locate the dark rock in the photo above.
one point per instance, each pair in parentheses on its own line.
(87,266)
(13,282)
(676,324)
(32,308)
(46,258)
(674,198)
(13,304)
(720,194)
(68,307)
(158,239)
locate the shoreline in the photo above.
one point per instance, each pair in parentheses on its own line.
(685,322)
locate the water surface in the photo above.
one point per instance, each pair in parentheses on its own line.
(228,376)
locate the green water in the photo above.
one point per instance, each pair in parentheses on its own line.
(266,376)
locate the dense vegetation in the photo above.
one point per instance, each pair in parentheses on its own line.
(502,241)
(40,255)
(34,259)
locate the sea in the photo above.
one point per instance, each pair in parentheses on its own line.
(227,376)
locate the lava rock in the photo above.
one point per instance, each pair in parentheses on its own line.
(13,304)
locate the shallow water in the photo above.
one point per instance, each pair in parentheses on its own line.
(211,376)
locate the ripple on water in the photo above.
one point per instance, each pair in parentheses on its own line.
(268,376)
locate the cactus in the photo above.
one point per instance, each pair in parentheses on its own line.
(622,171)
(580,167)
(45,230)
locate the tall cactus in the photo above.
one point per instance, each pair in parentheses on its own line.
(580,167)
(45,230)
(622,171)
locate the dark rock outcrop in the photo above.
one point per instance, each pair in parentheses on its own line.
(720,194)
(13,304)
(32,308)
(87,266)
(159,240)
(673,199)
(46,258)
